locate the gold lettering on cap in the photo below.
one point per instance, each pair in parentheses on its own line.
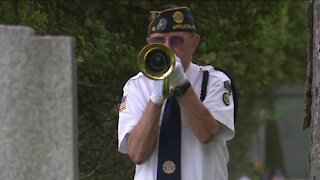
(182,26)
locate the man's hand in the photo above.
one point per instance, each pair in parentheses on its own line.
(177,77)
(156,95)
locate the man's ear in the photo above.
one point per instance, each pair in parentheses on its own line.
(196,40)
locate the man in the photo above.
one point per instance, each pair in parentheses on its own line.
(199,150)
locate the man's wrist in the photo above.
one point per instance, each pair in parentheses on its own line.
(181,89)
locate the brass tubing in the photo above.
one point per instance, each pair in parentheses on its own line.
(164,51)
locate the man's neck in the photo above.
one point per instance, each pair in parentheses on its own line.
(186,66)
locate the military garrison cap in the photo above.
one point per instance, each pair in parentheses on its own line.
(171,20)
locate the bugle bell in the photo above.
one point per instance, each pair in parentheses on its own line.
(157,61)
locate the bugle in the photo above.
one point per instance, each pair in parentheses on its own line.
(157,61)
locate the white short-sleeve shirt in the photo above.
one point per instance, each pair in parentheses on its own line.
(198,161)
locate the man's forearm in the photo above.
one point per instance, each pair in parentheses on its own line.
(201,121)
(143,138)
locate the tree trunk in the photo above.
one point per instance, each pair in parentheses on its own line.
(315,105)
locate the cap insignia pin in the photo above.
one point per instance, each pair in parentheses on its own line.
(178,17)
(162,24)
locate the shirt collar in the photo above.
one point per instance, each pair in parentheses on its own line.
(191,71)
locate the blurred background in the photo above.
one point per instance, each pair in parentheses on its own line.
(261,44)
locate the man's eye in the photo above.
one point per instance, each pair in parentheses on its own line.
(159,39)
(176,40)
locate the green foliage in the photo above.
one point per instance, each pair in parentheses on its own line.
(259,43)
(98,64)
(23,13)
(252,47)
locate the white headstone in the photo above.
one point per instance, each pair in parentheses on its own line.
(38,112)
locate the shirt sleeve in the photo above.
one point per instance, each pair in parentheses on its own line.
(219,102)
(130,111)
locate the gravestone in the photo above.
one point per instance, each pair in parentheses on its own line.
(294,141)
(38,111)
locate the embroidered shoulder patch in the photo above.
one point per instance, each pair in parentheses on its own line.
(226,99)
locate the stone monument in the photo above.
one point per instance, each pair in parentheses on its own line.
(38,111)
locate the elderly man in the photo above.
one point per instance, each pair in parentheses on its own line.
(184,136)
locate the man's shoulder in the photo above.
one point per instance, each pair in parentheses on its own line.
(214,72)
(136,80)
(138,77)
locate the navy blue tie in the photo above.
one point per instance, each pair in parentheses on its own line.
(169,161)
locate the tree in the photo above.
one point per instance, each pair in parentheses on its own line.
(312,98)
